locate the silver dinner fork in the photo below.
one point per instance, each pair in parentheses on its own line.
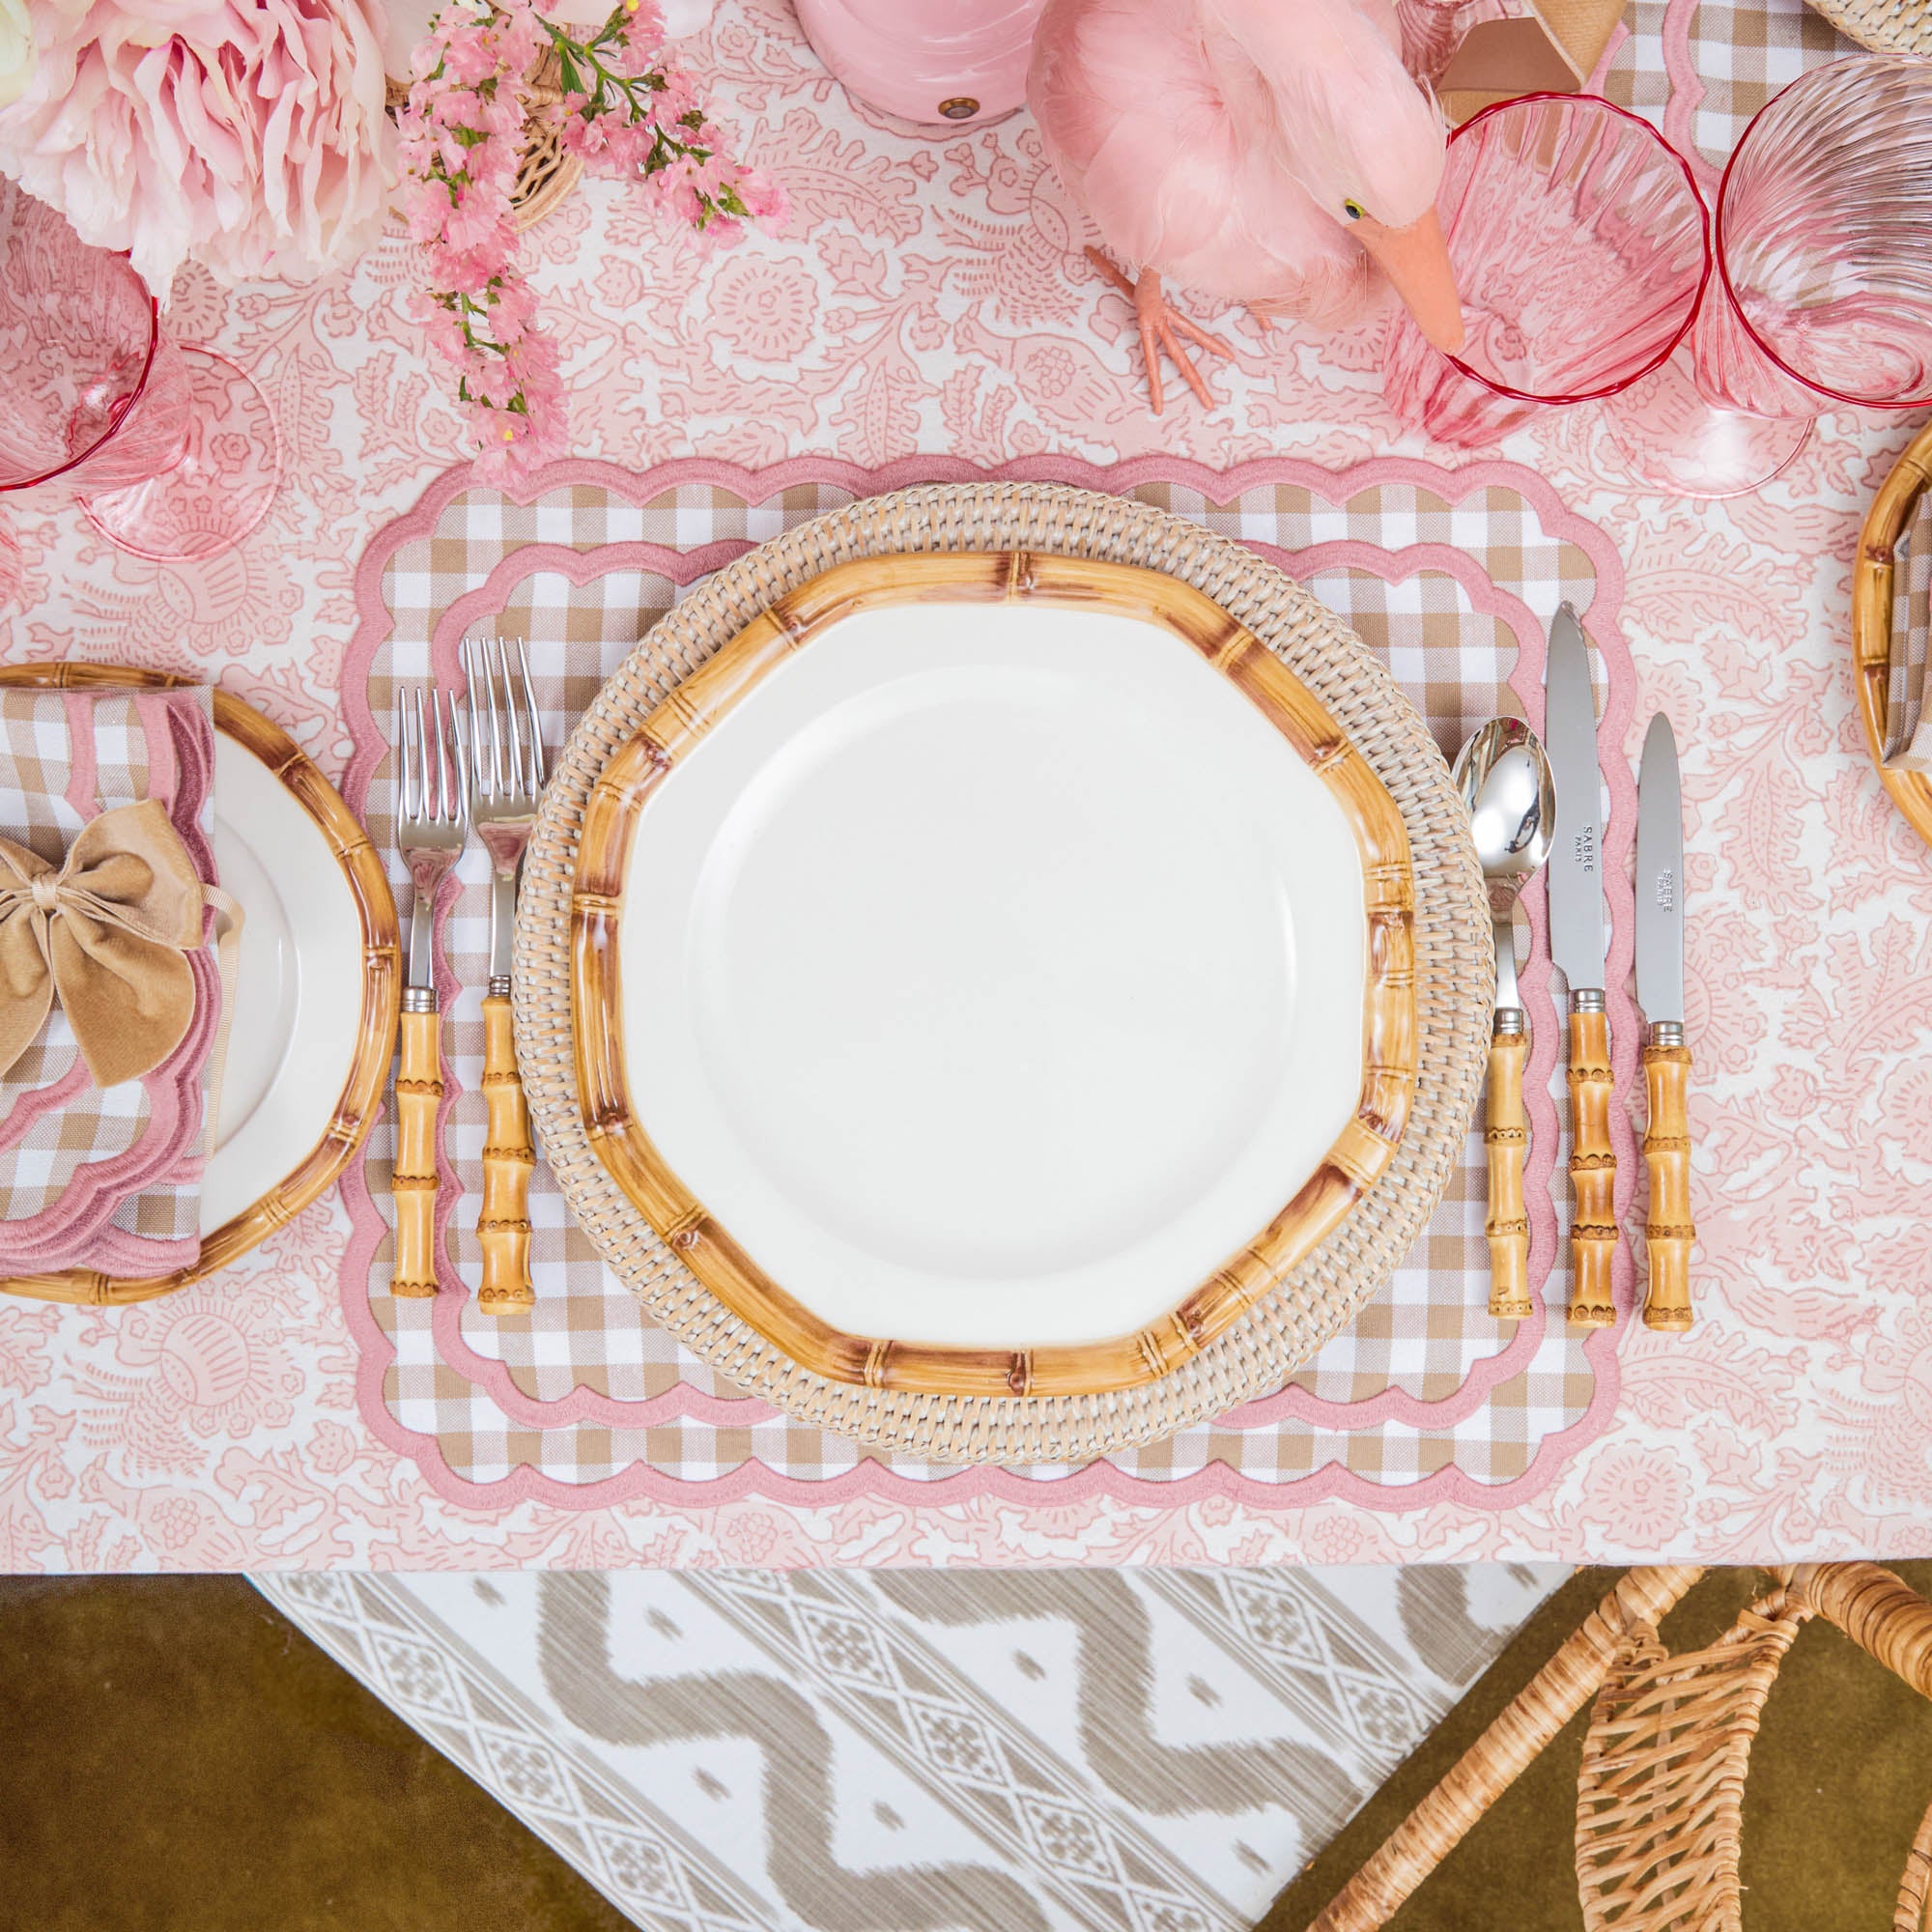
(506,779)
(432,822)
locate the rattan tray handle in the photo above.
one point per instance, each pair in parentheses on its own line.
(419,1097)
(1593,1172)
(1505,1134)
(503,1222)
(1669,1231)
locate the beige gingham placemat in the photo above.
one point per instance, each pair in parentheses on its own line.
(1699,69)
(1443,577)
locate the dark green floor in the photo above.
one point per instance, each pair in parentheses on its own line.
(175,1757)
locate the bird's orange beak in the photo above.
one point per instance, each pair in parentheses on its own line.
(1416,260)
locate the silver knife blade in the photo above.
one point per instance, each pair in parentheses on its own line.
(1575,870)
(1659,879)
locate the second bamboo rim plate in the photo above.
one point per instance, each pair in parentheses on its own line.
(318,990)
(1422,920)
(991,970)
(1872,585)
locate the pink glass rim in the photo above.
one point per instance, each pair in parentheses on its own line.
(126,409)
(1771,354)
(1669,349)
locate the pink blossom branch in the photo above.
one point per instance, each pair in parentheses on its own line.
(625,112)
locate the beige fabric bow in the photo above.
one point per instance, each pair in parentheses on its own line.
(108,933)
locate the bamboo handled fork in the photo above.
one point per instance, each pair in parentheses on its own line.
(506,779)
(432,820)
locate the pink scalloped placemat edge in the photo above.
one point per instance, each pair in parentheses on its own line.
(1449,1484)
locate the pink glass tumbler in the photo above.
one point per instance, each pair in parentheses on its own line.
(1824,244)
(1582,251)
(172,451)
(1823,293)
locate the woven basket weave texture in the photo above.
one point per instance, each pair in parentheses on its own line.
(1884,26)
(1454,970)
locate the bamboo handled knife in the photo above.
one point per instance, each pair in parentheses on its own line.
(1576,948)
(1667,1061)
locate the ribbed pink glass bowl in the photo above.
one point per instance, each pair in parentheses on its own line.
(1582,251)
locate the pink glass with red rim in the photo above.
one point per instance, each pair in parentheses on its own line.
(1824,247)
(1582,251)
(1823,295)
(171,450)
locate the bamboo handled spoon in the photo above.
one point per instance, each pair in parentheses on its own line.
(1505,781)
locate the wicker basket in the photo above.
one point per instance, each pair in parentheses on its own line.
(1884,26)
(1660,1800)
(1454,968)
(548,174)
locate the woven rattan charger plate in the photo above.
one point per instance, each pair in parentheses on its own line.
(1453,992)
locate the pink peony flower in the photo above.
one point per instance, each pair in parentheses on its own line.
(247,134)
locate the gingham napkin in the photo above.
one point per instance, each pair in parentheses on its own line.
(1907,729)
(109,1178)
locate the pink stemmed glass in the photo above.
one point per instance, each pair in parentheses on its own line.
(1582,251)
(172,451)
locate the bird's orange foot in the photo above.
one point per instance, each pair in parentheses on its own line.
(1162,326)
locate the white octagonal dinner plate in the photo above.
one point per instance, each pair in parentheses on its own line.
(992,972)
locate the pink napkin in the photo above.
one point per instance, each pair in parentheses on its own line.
(108,1177)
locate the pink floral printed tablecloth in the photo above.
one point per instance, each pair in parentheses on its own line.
(931,301)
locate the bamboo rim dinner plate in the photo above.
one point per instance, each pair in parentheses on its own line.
(317,989)
(1002,972)
(990,972)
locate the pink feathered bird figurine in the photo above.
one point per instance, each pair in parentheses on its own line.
(1268,151)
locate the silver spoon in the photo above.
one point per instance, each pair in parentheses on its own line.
(1503,774)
